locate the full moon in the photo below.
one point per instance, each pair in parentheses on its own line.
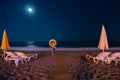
(30,10)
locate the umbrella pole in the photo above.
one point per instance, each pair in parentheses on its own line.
(103,50)
(3,53)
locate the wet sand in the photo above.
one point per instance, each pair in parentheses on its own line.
(65,65)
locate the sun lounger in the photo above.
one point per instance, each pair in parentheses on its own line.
(100,57)
(16,60)
(26,57)
(114,57)
(12,56)
(9,55)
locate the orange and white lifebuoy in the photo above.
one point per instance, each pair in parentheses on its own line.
(52,43)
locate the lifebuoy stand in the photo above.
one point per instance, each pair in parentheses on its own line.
(53,51)
(52,44)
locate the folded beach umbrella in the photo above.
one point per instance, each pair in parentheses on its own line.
(103,42)
(4,44)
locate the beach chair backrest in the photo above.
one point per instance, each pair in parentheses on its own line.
(105,54)
(21,54)
(10,54)
(115,55)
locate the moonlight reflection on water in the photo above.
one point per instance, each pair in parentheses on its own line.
(31,44)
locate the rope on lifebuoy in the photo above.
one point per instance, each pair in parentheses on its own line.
(52,43)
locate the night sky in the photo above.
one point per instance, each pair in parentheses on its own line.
(64,20)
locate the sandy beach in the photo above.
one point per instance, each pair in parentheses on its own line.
(65,65)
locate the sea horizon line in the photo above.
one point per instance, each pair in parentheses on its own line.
(61,49)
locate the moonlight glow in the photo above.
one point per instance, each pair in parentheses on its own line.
(30,10)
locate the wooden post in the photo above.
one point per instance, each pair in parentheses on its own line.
(53,51)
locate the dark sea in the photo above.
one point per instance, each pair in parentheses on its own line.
(69,44)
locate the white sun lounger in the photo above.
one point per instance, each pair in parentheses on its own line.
(13,57)
(100,57)
(9,55)
(26,57)
(114,57)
